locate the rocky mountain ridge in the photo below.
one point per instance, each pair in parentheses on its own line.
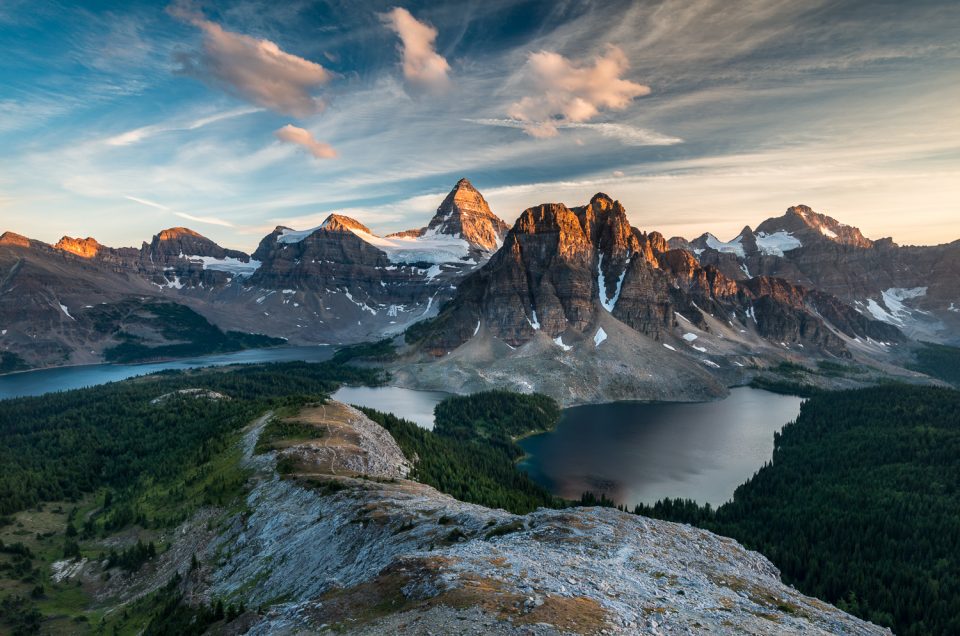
(915,289)
(530,307)
(584,280)
(335,283)
(344,542)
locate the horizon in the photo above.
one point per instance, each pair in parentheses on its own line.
(135,243)
(234,116)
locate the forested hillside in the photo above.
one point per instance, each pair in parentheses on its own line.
(471,454)
(859,506)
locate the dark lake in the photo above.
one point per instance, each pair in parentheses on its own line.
(65,378)
(416,406)
(639,453)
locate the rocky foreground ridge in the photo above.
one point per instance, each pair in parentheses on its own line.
(345,543)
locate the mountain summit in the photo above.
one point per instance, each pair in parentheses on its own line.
(465,214)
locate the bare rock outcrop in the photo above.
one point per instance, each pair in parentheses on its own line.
(372,554)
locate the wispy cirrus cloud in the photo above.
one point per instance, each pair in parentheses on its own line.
(422,65)
(136,135)
(293,135)
(209,220)
(624,133)
(254,69)
(570,92)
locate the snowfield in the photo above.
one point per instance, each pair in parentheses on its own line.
(227,264)
(732,247)
(777,243)
(894,311)
(430,248)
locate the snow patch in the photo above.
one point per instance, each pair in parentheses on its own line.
(711,364)
(950,308)
(559,342)
(732,247)
(827,232)
(690,337)
(534,322)
(431,247)
(895,311)
(226,264)
(609,303)
(777,243)
(361,305)
(477,328)
(669,347)
(66,311)
(698,348)
(599,337)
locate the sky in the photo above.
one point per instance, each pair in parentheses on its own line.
(119,119)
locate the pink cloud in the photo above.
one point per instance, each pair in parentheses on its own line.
(251,68)
(567,92)
(293,135)
(422,65)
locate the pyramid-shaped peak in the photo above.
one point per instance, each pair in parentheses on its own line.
(341,223)
(464,213)
(802,219)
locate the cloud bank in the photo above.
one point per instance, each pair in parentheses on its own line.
(422,65)
(253,69)
(567,92)
(294,135)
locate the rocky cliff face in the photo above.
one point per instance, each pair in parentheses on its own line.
(560,269)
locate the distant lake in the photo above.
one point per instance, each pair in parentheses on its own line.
(416,406)
(632,452)
(66,378)
(639,453)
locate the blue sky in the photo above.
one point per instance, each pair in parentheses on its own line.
(118,119)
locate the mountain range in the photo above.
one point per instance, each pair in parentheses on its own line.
(575,302)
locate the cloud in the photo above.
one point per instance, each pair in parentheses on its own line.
(422,65)
(625,134)
(137,135)
(209,220)
(251,68)
(293,135)
(569,93)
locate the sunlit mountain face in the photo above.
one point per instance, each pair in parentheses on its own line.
(236,116)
